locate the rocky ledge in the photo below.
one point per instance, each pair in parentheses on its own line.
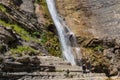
(43,68)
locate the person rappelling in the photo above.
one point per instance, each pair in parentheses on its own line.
(70,35)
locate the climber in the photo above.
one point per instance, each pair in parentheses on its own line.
(84,68)
(67,73)
(70,35)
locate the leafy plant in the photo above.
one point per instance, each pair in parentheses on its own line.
(98,48)
(36,34)
(51,43)
(23,50)
(37,1)
(2,8)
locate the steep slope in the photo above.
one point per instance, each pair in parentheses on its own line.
(96,24)
(24,22)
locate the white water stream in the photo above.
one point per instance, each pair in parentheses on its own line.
(65,34)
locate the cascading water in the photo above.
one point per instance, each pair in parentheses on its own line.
(64,34)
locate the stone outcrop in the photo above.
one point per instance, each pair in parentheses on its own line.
(16,15)
(21,15)
(96,25)
(7,36)
(27,6)
(20,64)
(48,68)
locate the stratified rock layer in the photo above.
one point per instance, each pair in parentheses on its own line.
(7,35)
(47,68)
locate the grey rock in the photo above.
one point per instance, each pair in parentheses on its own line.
(35,46)
(27,6)
(6,35)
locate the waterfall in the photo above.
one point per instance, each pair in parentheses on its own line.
(66,37)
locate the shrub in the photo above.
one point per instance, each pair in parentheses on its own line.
(2,8)
(23,50)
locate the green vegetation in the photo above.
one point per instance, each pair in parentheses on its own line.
(51,43)
(1,60)
(20,31)
(1,47)
(98,48)
(37,1)
(96,60)
(2,8)
(24,50)
(25,35)
(95,56)
(46,38)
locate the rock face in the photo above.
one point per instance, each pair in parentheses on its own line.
(20,64)
(18,17)
(6,35)
(98,17)
(23,15)
(96,23)
(47,68)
